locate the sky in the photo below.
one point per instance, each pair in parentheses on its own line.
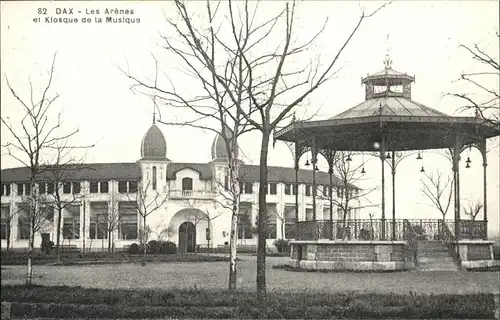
(96,99)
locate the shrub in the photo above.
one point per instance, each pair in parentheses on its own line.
(282,245)
(153,247)
(133,249)
(365,234)
(47,246)
(420,231)
(496,252)
(168,247)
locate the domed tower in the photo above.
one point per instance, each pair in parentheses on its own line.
(219,149)
(220,156)
(154,159)
(154,145)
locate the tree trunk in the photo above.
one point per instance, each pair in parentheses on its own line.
(232,253)
(59,218)
(9,224)
(283,233)
(58,235)
(29,271)
(235,186)
(83,229)
(145,240)
(262,218)
(109,240)
(209,236)
(29,275)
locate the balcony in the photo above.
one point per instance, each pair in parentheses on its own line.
(191,194)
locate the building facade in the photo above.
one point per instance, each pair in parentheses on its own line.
(104,203)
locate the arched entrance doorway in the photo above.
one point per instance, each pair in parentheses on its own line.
(187,237)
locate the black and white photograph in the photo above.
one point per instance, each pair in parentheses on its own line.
(244,159)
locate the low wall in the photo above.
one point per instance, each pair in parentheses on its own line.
(350,255)
(476,253)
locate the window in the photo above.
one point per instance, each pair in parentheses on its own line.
(98,220)
(340,193)
(273,188)
(132,186)
(94,186)
(122,186)
(27,188)
(187,184)
(128,220)
(154,178)
(271,228)
(287,189)
(326,191)
(50,187)
(5,222)
(67,187)
(245,229)
(326,213)
(76,187)
(23,222)
(71,222)
(5,189)
(290,222)
(226,182)
(20,189)
(41,188)
(248,188)
(294,189)
(104,187)
(308,190)
(271,225)
(309,214)
(48,213)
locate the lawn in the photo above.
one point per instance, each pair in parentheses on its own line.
(104,258)
(213,275)
(37,301)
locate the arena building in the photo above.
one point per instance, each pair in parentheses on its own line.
(192,212)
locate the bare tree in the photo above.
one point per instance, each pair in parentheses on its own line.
(144,234)
(111,222)
(263,81)
(59,172)
(32,137)
(44,214)
(209,111)
(162,232)
(146,201)
(487,108)
(472,209)
(349,174)
(438,189)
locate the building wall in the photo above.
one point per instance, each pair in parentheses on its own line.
(204,201)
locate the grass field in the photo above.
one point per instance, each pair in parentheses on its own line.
(213,275)
(64,301)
